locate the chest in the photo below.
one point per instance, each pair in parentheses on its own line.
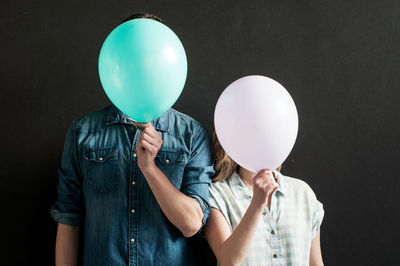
(289,218)
(108,159)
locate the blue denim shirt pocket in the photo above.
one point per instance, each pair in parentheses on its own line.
(100,171)
(172,164)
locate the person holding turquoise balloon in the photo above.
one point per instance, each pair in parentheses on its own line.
(259,216)
(134,177)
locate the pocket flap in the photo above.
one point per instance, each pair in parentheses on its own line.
(170,157)
(101,155)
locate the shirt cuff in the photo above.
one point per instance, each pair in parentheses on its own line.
(318,219)
(73,219)
(203,206)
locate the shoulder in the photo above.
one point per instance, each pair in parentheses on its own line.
(300,194)
(298,187)
(302,200)
(228,190)
(181,124)
(220,187)
(222,192)
(220,195)
(92,121)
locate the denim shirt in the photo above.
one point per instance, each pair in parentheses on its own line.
(101,188)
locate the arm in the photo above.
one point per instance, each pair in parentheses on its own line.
(231,249)
(315,252)
(67,245)
(181,210)
(67,209)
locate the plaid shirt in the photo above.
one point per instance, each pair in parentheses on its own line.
(284,233)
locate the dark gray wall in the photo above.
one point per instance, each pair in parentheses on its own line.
(338,59)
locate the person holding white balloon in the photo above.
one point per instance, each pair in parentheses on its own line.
(259,216)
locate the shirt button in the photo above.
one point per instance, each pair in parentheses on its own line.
(133,182)
(101,159)
(275,256)
(134,155)
(273,232)
(132,240)
(264,213)
(133,211)
(167,161)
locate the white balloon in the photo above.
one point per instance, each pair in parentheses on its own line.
(256,122)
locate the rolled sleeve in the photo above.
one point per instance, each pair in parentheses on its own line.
(65,217)
(198,172)
(204,206)
(68,206)
(317,219)
(217,202)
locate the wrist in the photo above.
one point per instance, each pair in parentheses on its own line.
(147,168)
(257,205)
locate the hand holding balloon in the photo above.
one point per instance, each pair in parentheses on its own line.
(264,185)
(148,145)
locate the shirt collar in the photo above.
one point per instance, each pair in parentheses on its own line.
(240,191)
(116,116)
(282,183)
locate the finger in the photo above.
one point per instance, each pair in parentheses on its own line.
(150,139)
(259,175)
(265,178)
(152,132)
(263,172)
(140,144)
(147,146)
(258,182)
(269,187)
(146,127)
(154,135)
(269,173)
(141,126)
(157,137)
(272,183)
(270,177)
(267,182)
(139,141)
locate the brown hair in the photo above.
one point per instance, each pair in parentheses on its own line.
(224,165)
(142,15)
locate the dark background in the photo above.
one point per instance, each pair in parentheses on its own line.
(338,59)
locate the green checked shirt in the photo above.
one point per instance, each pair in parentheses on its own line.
(284,234)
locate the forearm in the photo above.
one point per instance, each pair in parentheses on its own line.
(315,251)
(318,262)
(234,249)
(182,211)
(67,243)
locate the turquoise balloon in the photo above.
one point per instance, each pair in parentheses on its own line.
(142,68)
